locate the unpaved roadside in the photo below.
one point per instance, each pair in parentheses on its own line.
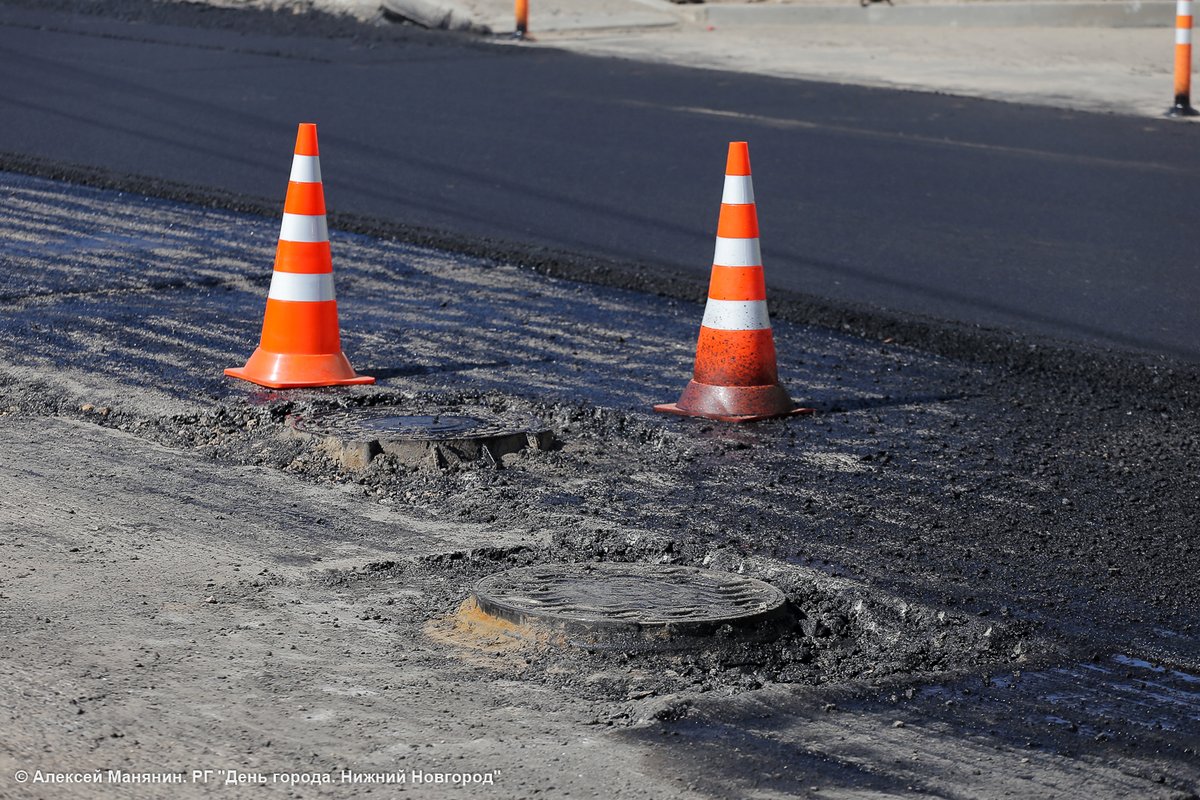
(175,620)
(1126,70)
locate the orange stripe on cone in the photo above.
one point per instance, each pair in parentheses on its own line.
(735,378)
(300,344)
(301,328)
(737,283)
(735,358)
(305,198)
(1183,69)
(738,221)
(306,140)
(738,160)
(303,257)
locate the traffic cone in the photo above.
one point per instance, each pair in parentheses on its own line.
(300,343)
(735,377)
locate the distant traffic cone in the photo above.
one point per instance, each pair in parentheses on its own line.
(300,343)
(735,377)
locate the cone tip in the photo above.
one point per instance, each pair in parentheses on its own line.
(306,139)
(738,162)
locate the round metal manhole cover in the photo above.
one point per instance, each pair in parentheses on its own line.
(631,606)
(428,426)
(420,434)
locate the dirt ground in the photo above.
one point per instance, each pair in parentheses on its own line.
(990,552)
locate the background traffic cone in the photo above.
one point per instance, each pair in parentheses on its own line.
(300,343)
(735,378)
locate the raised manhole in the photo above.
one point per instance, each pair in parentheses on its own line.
(632,607)
(419,435)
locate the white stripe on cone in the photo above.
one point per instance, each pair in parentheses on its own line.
(736,315)
(1183,36)
(300,287)
(306,169)
(737,253)
(1183,8)
(304,228)
(739,190)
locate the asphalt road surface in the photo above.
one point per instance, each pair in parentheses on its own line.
(1075,226)
(992,572)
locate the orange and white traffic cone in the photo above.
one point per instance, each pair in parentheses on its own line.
(521,9)
(300,343)
(735,377)
(1182,107)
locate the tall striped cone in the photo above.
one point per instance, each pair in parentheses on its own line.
(300,343)
(735,378)
(1182,107)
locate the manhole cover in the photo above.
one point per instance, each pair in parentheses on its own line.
(420,435)
(628,606)
(426,426)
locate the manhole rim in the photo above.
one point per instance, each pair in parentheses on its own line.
(611,633)
(353,425)
(347,435)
